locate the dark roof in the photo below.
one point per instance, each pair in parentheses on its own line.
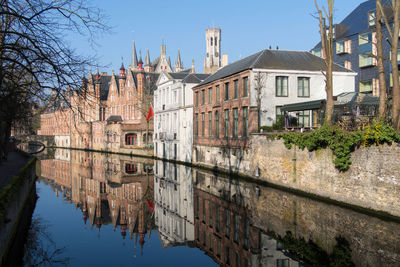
(274,59)
(114,118)
(178,75)
(195,78)
(309,105)
(104,87)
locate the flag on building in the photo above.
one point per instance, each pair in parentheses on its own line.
(149,114)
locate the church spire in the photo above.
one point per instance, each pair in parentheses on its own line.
(147,58)
(134,63)
(178,63)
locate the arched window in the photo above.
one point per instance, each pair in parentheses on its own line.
(130,168)
(150,137)
(211,41)
(130,139)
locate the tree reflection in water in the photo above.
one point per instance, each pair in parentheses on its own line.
(40,248)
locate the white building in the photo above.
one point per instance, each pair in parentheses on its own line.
(173,197)
(173,115)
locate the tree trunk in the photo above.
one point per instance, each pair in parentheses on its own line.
(147,133)
(380,64)
(395,70)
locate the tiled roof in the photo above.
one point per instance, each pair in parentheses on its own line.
(275,60)
(104,86)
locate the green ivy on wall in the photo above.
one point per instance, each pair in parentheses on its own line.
(340,142)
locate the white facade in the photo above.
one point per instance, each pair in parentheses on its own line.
(342,82)
(62,140)
(173,117)
(173,197)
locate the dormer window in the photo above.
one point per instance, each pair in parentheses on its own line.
(371,18)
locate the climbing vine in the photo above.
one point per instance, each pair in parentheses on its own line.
(341,143)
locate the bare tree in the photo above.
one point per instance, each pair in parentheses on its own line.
(393,32)
(380,62)
(35,58)
(326,32)
(259,82)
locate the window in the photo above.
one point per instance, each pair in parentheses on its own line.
(130,168)
(211,241)
(236,236)
(245,122)
(218,219)
(371,18)
(211,41)
(226,123)
(196,125)
(347,64)
(246,233)
(209,124)
(303,87)
(204,210)
(203,123)
(228,256)
(217,94)
(197,206)
(235,123)
(237,259)
(210,213)
(245,86)
(304,118)
(204,238)
(235,89)
(278,113)
(219,247)
(366,86)
(317,52)
(130,139)
(226,91)
(282,263)
(365,61)
(129,95)
(340,47)
(364,38)
(216,124)
(209,95)
(197,99)
(281,86)
(203,97)
(227,223)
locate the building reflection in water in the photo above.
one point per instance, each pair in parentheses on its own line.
(109,189)
(173,196)
(236,223)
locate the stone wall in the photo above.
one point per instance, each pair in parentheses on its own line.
(373,180)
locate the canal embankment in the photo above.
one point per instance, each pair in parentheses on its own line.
(372,181)
(17,198)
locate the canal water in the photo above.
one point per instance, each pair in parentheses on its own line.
(110,210)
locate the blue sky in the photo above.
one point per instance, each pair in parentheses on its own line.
(247,27)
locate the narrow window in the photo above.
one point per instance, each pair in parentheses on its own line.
(196,125)
(235,123)
(226,135)
(217,94)
(203,97)
(245,122)
(245,86)
(197,99)
(236,236)
(216,124)
(235,89)
(217,218)
(210,96)
(303,87)
(226,91)
(281,86)
(210,124)
(210,213)
(203,122)
(227,223)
